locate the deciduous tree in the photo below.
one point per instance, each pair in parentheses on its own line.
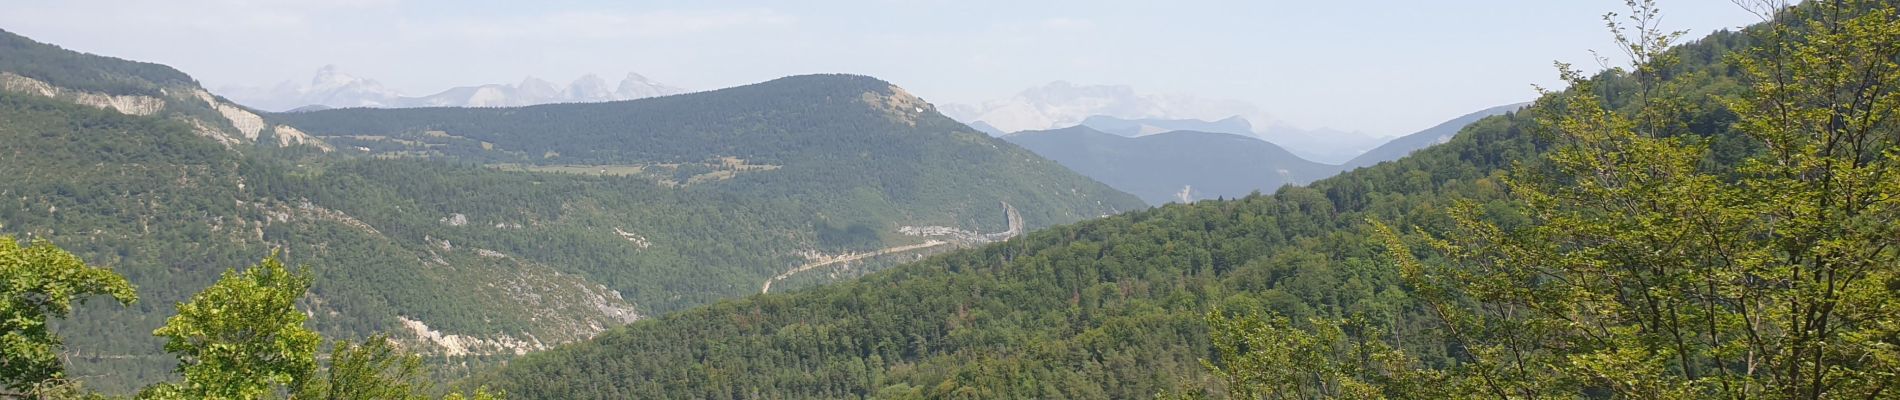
(243,337)
(37,283)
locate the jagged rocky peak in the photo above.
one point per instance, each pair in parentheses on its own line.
(330,75)
(589,88)
(532,87)
(636,86)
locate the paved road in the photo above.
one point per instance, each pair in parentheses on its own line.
(1015,228)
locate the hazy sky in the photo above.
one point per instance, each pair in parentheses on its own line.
(1380,66)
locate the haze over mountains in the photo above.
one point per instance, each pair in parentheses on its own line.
(1149,126)
(333,88)
(1178,166)
(1062,104)
(1175,160)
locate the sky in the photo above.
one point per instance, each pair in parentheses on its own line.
(1385,67)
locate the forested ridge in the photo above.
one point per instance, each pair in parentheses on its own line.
(857,140)
(1404,145)
(73,70)
(1296,295)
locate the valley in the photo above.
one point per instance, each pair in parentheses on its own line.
(1713,215)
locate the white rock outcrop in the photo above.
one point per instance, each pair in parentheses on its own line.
(246,122)
(288,136)
(457,345)
(636,239)
(127,104)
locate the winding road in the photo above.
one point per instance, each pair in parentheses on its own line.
(1015,228)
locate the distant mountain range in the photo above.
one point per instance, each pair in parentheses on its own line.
(332,88)
(1178,166)
(1062,104)
(1150,126)
(1186,160)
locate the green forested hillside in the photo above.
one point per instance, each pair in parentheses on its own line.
(1109,308)
(464,256)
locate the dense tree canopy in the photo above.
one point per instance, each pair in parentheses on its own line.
(243,337)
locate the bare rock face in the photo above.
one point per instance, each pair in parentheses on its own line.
(248,125)
(288,136)
(127,104)
(636,86)
(589,88)
(246,122)
(569,309)
(206,130)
